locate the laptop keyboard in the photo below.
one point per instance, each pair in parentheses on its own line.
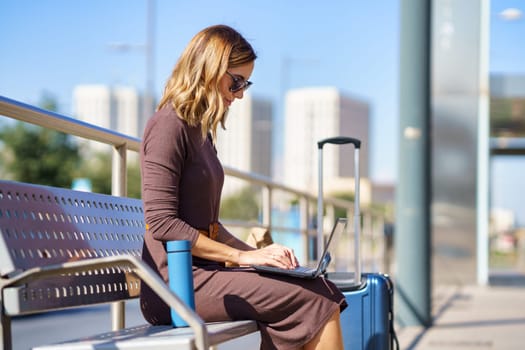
(303,269)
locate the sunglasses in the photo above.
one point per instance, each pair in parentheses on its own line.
(238,83)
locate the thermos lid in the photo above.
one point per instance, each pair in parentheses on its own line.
(177,246)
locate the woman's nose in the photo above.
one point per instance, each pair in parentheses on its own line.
(239,94)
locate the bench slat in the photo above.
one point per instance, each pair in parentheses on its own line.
(44,225)
(157,337)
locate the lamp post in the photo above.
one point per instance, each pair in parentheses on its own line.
(148,47)
(148,104)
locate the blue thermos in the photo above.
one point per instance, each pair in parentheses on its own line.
(180,276)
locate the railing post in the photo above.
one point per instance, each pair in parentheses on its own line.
(368,237)
(304,226)
(330,214)
(267,207)
(119,170)
(119,188)
(382,250)
(373,244)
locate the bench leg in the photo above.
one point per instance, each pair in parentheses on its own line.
(5,332)
(118,315)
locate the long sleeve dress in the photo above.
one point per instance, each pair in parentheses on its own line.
(182,180)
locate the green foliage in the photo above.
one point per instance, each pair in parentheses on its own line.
(36,155)
(382,209)
(134,184)
(32,154)
(507,116)
(340,212)
(241,206)
(49,102)
(97,168)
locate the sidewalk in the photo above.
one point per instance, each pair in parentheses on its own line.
(471,317)
(466,318)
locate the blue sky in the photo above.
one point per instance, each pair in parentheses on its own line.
(53,45)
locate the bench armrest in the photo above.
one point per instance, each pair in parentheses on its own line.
(143,271)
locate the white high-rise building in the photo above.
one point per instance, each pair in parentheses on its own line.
(246,144)
(313,114)
(115,108)
(128,111)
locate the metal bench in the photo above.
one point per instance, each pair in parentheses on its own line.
(61,248)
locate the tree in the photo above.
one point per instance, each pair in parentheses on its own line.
(97,168)
(241,206)
(29,153)
(37,155)
(347,196)
(33,154)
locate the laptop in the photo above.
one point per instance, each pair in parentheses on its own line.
(308,271)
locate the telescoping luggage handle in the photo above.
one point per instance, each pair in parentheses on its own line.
(341,140)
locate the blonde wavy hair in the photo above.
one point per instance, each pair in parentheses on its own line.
(193,87)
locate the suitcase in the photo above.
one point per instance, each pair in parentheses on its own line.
(368,321)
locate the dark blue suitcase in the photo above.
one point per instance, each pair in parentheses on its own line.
(368,321)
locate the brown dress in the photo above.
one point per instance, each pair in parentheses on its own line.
(182,180)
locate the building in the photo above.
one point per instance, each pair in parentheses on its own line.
(115,108)
(246,144)
(507,85)
(507,105)
(313,114)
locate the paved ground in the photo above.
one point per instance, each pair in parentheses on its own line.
(466,318)
(472,317)
(54,327)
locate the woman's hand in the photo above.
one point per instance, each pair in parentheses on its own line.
(272,255)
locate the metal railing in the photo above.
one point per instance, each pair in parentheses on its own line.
(373,247)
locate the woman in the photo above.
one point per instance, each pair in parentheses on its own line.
(182,180)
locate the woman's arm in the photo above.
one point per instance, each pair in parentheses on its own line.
(226,237)
(273,255)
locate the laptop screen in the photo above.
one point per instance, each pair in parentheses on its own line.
(340,249)
(330,246)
